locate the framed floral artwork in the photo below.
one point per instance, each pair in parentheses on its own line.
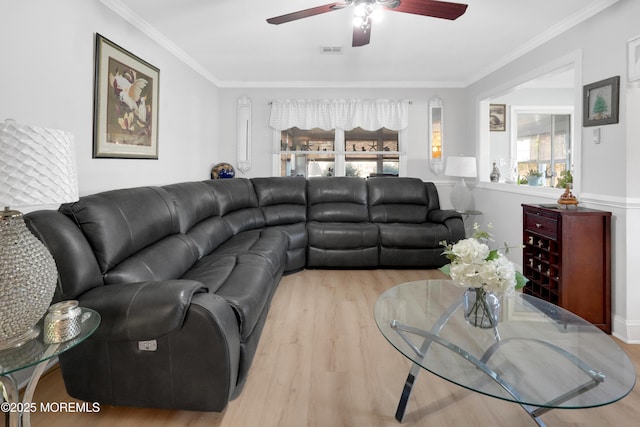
(125,123)
(600,102)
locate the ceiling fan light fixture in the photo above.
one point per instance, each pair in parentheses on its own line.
(367,11)
(361,10)
(376,14)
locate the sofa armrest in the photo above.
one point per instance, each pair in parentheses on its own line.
(440,216)
(450,219)
(140,311)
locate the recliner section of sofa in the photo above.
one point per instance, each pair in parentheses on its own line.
(410,222)
(192,267)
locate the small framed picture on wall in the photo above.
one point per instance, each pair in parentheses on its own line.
(600,102)
(497,117)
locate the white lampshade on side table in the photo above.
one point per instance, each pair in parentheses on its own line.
(37,167)
(461,167)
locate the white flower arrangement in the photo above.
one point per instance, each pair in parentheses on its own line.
(475,265)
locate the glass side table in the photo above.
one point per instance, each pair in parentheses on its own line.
(34,353)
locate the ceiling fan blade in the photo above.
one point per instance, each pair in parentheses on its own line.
(305,13)
(361,36)
(436,9)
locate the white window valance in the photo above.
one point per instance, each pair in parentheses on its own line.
(345,114)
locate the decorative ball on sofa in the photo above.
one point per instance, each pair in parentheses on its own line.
(223,170)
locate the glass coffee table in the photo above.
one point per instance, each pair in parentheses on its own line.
(540,356)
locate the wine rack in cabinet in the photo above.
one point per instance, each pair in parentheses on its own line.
(567,259)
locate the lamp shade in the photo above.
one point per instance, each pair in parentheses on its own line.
(37,166)
(460,166)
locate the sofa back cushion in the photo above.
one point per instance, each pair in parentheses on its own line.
(167,259)
(283,200)
(193,201)
(198,215)
(236,203)
(337,199)
(120,223)
(394,199)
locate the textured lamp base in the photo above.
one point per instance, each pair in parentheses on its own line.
(20,340)
(28,277)
(461,196)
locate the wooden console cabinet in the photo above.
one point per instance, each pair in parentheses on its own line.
(567,259)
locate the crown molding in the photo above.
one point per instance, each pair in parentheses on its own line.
(577,18)
(341,84)
(147,29)
(119,8)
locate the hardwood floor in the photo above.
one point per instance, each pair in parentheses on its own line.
(322,362)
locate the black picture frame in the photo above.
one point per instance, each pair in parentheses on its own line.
(601,102)
(126,99)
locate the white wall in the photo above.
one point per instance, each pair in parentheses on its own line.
(262,149)
(46,79)
(601,43)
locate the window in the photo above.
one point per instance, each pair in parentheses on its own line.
(314,152)
(371,152)
(307,152)
(542,146)
(310,137)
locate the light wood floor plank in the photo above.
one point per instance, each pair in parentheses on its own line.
(322,362)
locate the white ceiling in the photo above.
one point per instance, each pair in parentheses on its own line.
(231,44)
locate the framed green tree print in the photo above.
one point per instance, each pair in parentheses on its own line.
(600,102)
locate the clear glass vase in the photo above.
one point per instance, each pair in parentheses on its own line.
(481,308)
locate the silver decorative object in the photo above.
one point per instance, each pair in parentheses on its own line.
(37,167)
(62,322)
(28,277)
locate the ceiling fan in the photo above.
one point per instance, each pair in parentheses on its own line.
(366,10)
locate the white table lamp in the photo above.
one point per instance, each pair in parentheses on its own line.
(461,167)
(37,167)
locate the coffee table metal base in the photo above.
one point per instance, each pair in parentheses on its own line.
(432,336)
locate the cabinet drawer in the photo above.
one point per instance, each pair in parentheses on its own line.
(544,226)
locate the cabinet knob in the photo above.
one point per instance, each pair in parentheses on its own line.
(538,225)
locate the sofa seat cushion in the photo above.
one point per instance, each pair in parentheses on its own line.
(425,235)
(268,243)
(244,281)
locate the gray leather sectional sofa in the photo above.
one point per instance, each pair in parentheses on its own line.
(183,275)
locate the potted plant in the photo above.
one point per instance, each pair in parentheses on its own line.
(565,179)
(534,177)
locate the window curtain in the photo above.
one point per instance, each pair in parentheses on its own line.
(339,114)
